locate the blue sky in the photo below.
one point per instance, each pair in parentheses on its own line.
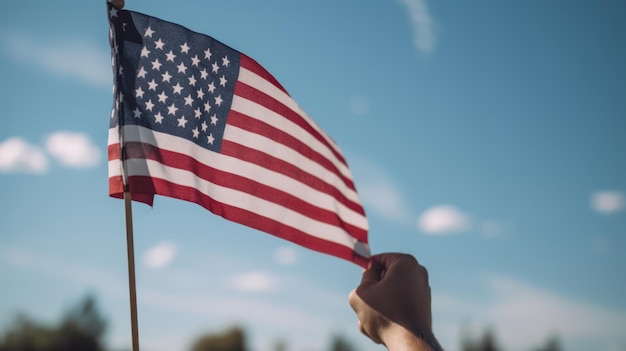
(487,138)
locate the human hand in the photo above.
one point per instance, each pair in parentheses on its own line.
(393,303)
(118,4)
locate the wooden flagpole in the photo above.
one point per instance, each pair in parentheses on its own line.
(130,248)
(131,271)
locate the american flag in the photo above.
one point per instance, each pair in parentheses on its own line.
(196,120)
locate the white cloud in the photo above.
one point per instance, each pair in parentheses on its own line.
(66,57)
(422,24)
(524,316)
(73,149)
(159,255)
(379,193)
(496,229)
(286,255)
(17,155)
(607,201)
(443,219)
(519,305)
(253,282)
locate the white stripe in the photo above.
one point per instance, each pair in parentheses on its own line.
(280,151)
(251,171)
(243,200)
(252,79)
(276,120)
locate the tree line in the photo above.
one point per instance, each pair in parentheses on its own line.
(83,328)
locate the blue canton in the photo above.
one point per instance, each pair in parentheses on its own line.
(171,79)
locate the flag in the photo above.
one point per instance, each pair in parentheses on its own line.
(196,120)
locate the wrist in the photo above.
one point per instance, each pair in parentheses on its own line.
(397,338)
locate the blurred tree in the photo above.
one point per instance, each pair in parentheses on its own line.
(82,329)
(552,344)
(231,340)
(339,343)
(280,345)
(486,343)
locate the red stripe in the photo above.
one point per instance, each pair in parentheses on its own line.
(278,165)
(258,127)
(251,65)
(114,151)
(258,96)
(144,184)
(135,150)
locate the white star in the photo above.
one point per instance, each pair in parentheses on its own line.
(142,73)
(171,110)
(200,93)
(162,97)
(149,32)
(214,119)
(113,12)
(182,121)
(225,61)
(159,44)
(215,67)
(218,100)
(211,87)
(137,113)
(207,107)
(204,73)
(207,54)
(210,139)
(177,88)
(192,81)
(120,70)
(196,132)
(152,85)
(170,56)
(195,60)
(182,68)
(198,112)
(149,105)
(166,76)
(188,100)
(184,48)
(204,126)
(156,65)
(223,81)
(139,93)
(145,52)
(158,118)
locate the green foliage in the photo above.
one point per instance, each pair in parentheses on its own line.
(230,340)
(339,343)
(81,329)
(487,342)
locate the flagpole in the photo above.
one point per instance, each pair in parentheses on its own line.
(131,271)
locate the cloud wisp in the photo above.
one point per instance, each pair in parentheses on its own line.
(71,149)
(422,25)
(524,316)
(607,201)
(159,255)
(17,155)
(443,219)
(379,193)
(66,57)
(75,150)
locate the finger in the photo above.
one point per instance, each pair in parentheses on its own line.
(372,274)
